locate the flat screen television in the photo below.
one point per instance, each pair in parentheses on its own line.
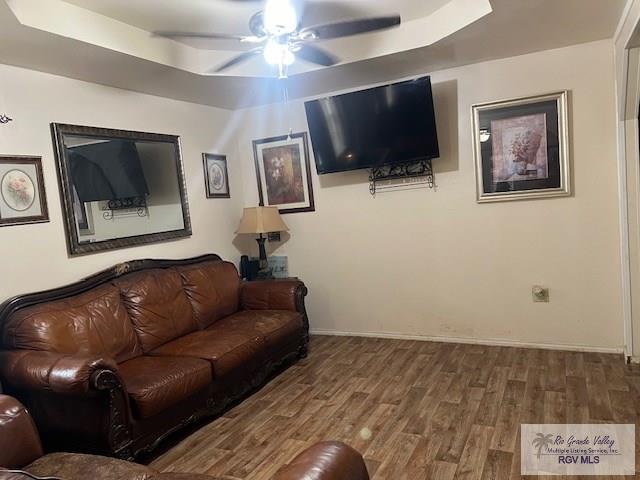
(370,128)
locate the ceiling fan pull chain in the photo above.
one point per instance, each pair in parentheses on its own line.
(285,93)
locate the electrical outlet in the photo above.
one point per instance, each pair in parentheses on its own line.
(540,294)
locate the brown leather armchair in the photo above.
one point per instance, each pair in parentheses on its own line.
(21,457)
(115,363)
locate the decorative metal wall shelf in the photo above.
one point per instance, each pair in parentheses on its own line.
(125,207)
(419,172)
(126,203)
(113,214)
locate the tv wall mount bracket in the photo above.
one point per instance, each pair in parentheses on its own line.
(408,175)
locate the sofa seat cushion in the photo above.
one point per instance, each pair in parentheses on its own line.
(243,340)
(226,350)
(279,327)
(75,466)
(186,476)
(157,383)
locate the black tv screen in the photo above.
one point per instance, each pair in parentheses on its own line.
(375,127)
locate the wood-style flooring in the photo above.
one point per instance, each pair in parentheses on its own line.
(415,410)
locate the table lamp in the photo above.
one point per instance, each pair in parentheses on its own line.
(261,220)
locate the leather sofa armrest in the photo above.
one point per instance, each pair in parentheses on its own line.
(325,461)
(19,439)
(273,295)
(56,372)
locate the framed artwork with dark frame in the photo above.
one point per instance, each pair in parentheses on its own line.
(216,174)
(284,173)
(23,198)
(521,148)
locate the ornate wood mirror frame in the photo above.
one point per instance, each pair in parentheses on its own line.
(76,244)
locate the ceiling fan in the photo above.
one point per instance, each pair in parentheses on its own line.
(280,37)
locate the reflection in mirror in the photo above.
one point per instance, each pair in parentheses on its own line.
(120,188)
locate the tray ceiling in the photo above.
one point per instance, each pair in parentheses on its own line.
(231,16)
(108,42)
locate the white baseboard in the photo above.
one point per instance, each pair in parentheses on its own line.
(477,341)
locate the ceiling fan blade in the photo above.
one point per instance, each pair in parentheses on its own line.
(244,56)
(352,27)
(217,36)
(313,54)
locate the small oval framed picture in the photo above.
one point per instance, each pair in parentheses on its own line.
(216,175)
(521,148)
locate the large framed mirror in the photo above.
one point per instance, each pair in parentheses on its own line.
(120,188)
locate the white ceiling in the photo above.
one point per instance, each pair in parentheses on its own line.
(108,41)
(231,16)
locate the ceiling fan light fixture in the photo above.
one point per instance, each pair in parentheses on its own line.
(280,36)
(252,39)
(289,58)
(307,35)
(276,53)
(280,17)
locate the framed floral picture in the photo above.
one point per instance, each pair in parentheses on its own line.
(216,175)
(521,148)
(284,173)
(22,195)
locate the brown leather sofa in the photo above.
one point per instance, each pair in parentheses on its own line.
(116,362)
(20,449)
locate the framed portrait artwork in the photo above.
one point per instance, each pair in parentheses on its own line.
(22,196)
(216,175)
(521,148)
(284,173)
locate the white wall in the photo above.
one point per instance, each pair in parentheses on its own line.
(436,263)
(35,256)
(416,262)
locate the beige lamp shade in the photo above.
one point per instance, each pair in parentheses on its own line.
(261,220)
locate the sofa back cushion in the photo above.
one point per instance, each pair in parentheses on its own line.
(213,289)
(92,323)
(158,306)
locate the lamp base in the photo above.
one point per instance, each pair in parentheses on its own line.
(264,264)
